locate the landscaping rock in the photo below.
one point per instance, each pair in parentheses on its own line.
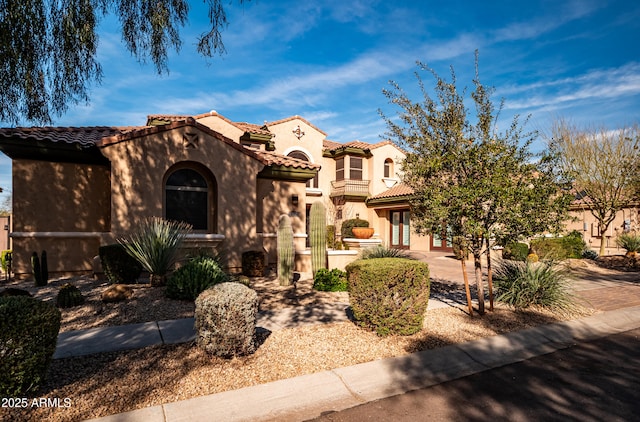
(226,320)
(619,262)
(117,293)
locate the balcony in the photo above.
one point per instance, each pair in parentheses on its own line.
(350,189)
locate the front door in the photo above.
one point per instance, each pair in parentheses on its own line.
(400,229)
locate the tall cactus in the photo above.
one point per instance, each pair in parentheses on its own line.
(37,272)
(286,253)
(44,268)
(318,236)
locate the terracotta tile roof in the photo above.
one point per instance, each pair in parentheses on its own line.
(270,158)
(83,136)
(102,137)
(296,117)
(332,145)
(327,144)
(244,126)
(397,191)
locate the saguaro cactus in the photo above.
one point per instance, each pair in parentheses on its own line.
(37,271)
(44,268)
(286,253)
(318,236)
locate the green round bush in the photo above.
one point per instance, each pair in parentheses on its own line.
(193,278)
(515,251)
(28,334)
(389,295)
(330,280)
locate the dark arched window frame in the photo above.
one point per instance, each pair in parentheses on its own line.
(190,195)
(388,168)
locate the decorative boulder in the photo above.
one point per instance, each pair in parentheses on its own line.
(117,293)
(226,320)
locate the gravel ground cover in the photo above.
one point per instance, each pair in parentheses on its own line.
(109,383)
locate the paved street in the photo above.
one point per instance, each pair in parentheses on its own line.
(592,381)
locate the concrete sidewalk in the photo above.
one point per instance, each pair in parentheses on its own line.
(308,396)
(137,336)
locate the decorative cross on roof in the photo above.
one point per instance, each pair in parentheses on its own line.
(298,132)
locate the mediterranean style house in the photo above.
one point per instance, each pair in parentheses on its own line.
(77,188)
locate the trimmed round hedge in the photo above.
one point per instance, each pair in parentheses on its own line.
(28,334)
(389,295)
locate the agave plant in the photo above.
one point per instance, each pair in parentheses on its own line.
(155,245)
(629,242)
(523,284)
(383,252)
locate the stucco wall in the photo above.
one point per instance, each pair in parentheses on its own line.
(58,197)
(139,166)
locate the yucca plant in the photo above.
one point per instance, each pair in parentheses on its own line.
(383,252)
(155,245)
(629,242)
(523,284)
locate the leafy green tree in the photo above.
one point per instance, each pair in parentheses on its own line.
(604,164)
(49,48)
(480,183)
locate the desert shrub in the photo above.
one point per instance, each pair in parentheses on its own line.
(389,295)
(523,284)
(155,245)
(253,263)
(380,251)
(533,258)
(118,266)
(5,259)
(226,320)
(515,251)
(188,281)
(629,242)
(330,280)
(69,296)
(331,236)
(347,225)
(559,248)
(589,254)
(28,334)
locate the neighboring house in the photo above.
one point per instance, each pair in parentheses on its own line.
(75,189)
(626,220)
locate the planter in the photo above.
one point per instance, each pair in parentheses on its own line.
(362,232)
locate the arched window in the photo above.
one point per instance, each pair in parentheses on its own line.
(189,197)
(312,183)
(388,167)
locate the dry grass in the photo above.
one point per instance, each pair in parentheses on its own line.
(110,383)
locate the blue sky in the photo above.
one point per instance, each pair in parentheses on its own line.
(328,61)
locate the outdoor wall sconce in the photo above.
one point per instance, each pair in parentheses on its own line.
(294,200)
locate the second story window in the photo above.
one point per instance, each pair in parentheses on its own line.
(355,168)
(340,168)
(388,167)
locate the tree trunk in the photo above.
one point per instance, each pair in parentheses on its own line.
(489,276)
(479,285)
(602,239)
(466,284)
